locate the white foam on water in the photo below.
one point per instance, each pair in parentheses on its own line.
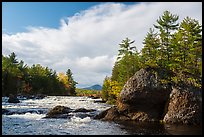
(75,119)
(33,116)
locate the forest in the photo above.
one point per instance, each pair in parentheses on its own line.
(20,79)
(169,45)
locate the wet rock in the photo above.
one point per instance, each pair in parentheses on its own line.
(84,115)
(84,110)
(40,96)
(99,101)
(13,99)
(59,112)
(113,114)
(102,114)
(184,107)
(95,97)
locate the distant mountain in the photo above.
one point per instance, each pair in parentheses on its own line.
(94,87)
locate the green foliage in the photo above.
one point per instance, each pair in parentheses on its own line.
(150,51)
(128,62)
(167,23)
(106,89)
(71,82)
(86,92)
(125,48)
(18,78)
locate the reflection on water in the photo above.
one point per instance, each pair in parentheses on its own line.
(143,128)
(183,129)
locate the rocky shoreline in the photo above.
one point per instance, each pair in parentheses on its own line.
(145,98)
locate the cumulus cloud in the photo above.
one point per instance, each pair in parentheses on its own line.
(88,41)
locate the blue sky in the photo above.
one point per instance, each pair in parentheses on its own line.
(19,15)
(82,36)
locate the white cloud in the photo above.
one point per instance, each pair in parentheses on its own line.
(88,41)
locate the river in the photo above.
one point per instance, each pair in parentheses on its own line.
(28,120)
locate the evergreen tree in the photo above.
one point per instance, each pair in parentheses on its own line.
(125,48)
(166,24)
(71,82)
(127,62)
(188,49)
(150,51)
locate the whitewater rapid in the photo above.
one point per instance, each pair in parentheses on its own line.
(33,123)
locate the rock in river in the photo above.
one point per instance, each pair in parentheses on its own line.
(83,110)
(59,112)
(13,99)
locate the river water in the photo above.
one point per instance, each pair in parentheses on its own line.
(28,120)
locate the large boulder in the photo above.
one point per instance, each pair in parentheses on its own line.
(184,107)
(13,99)
(144,96)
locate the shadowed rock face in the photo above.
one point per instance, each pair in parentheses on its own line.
(185,107)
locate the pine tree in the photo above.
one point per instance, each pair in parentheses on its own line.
(71,81)
(188,49)
(167,23)
(125,48)
(150,51)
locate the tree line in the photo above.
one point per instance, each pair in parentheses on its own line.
(20,79)
(170,46)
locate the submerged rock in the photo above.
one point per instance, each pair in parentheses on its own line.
(13,99)
(184,107)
